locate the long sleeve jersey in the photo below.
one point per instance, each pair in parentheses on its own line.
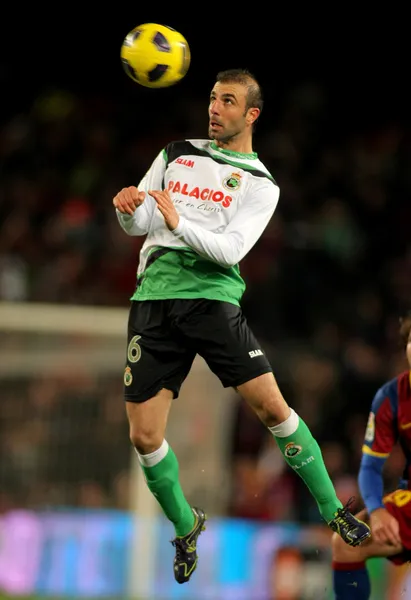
(225,201)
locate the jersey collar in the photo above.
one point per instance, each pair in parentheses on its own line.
(250,156)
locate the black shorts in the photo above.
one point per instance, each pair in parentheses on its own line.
(164,337)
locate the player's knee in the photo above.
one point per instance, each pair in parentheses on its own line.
(144,439)
(147,422)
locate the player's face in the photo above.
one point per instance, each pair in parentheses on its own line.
(228,117)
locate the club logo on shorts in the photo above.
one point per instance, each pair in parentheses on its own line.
(232,182)
(291,450)
(128,377)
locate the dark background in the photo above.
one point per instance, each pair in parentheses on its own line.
(362,58)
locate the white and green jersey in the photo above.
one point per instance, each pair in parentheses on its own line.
(225,200)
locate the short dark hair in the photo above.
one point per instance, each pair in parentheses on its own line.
(405,327)
(244,77)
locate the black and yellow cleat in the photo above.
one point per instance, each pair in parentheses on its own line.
(186,558)
(353,531)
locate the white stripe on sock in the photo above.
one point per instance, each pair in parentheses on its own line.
(287,427)
(152,459)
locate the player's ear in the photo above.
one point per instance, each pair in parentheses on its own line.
(252,115)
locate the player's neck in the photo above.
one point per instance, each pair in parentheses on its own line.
(240,145)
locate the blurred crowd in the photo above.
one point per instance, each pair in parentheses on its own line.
(63,442)
(326,283)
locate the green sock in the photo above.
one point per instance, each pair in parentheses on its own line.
(303,454)
(163,481)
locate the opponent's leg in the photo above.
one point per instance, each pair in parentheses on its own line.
(351,580)
(148,422)
(302,453)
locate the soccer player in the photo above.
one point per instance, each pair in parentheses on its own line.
(203,204)
(389,515)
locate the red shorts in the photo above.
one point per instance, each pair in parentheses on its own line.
(398,504)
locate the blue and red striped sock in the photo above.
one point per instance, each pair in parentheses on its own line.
(351,581)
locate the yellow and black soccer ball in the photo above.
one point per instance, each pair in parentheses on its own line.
(155,56)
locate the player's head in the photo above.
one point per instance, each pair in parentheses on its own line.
(405,333)
(236,103)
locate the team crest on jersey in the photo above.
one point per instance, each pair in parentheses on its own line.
(232,182)
(370,431)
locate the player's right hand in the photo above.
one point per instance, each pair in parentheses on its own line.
(128,200)
(385,528)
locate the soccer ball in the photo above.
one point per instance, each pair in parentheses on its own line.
(155,56)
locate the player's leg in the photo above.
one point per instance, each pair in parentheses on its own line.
(302,453)
(155,369)
(293,438)
(160,465)
(350,576)
(157,364)
(235,356)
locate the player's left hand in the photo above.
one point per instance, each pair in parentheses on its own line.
(166,207)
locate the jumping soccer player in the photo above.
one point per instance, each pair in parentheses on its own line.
(389,515)
(203,204)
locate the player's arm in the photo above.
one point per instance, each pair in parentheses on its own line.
(229,246)
(380,438)
(134,206)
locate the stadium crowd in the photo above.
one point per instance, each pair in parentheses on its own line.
(325,285)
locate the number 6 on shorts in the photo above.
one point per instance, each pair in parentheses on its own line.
(134,349)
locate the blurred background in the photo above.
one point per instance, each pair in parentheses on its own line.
(325,287)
